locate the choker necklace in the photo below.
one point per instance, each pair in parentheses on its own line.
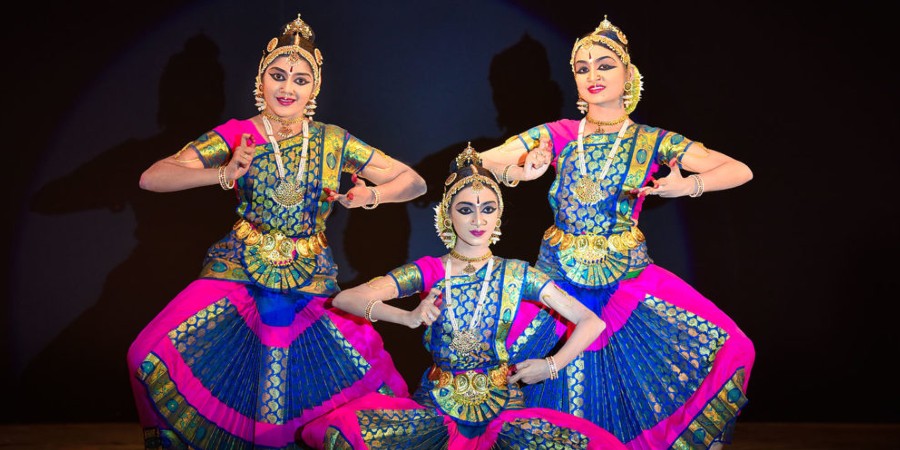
(286,129)
(465,341)
(469,267)
(287,193)
(602,123)
(587,189)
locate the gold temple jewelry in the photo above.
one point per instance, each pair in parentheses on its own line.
(223,180)
(390,162)
(603,123)
(465,341)
(587,189)
(183,161)
(469,267)
(286,129)
(287,193)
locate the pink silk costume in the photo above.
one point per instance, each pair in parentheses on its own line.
(249,352)
(464,401)
(671,369)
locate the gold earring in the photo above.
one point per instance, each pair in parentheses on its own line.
(495,235)
(310,109)
(258,97)
(582,105)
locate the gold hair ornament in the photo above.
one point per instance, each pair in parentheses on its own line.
(442,223)
(596,37)
(298,29)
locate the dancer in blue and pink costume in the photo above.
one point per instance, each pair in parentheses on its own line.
(671,369)
(251,351)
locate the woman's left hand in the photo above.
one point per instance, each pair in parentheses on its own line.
(672,185)
(529,371)
(358,195)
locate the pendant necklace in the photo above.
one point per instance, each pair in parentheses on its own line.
(286,192)
(469,267)
(587,188)
(466,341)
(286,129)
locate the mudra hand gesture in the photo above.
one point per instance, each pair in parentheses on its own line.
(537,161)
(427,311)
(240,160)
(359,195)
(529,371)
(672,185)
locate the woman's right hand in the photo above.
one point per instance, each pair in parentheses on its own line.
(537,161)
(241,158)
(427,311)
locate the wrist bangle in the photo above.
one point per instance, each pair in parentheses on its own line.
(377,198)
(369,309)
(551,363)
(223,181)
(505,178)
(698,183)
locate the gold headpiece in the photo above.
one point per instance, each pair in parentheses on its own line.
(603,35)
(468,158)
(611,37)
(296,42)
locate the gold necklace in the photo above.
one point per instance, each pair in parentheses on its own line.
(603,123)
(469,267)
(588,189)
(466,341)
(286,129)
(287,193)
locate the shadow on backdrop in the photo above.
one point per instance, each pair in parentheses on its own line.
(82,373)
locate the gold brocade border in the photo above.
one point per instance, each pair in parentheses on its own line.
(722,410)
(180,414)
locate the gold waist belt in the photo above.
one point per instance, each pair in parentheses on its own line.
(592,248)
(277,248)
(470,380)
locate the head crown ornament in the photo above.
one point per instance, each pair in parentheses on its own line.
(466,171)
(611,37)
(607,35)
(297,41)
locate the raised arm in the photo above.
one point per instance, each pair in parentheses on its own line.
(587,328)
(513,162)
(394,182)
(368,300)
(712,171)
(184,170)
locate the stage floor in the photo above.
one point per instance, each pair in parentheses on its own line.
(748,436)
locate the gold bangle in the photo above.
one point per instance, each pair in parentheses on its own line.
(377,198)
(554,373)
(505,178)
(369,308)
(223,181)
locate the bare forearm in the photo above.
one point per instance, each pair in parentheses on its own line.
(497,158)
(355,301)
(582,336)
(406,186)
(165,176)
(726,176)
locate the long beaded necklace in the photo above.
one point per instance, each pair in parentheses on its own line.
(286,192)
(587,188)
(466,341)
(469,267)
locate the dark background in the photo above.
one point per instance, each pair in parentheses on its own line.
(802,257)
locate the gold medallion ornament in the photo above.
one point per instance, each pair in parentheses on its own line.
(469,268)
(588,188)
(466,341)
(286,192)
(286,129)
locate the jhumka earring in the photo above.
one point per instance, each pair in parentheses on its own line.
(633,88)
(582,105)
(258,97)
(310,109)
(495,235)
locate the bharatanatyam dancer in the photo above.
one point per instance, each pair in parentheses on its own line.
(249,351)
(670,370)
(471,396)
